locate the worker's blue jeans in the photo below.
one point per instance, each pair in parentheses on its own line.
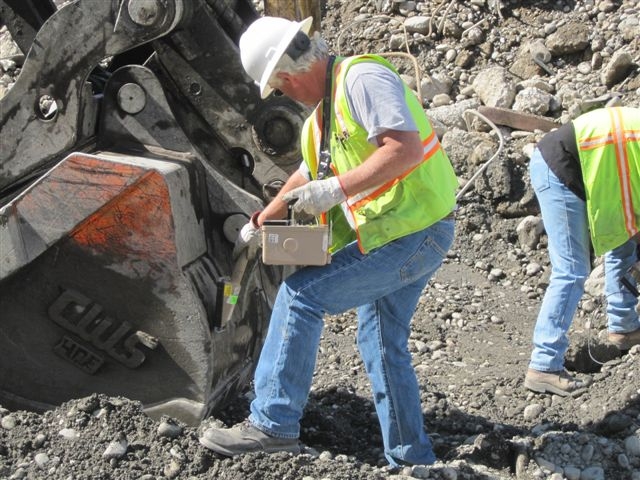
(565,221)
(384,285)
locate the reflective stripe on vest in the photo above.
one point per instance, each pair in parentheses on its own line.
(430,146)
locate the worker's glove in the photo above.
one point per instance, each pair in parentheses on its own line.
(248,237)
(316,197)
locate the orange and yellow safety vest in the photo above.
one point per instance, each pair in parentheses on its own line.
(609,148)
(412,201)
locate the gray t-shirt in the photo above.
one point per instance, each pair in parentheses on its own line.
(376,98)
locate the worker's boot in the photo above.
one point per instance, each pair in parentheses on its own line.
(624,341)
(246,438)
(561,382)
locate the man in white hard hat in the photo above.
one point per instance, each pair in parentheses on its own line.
(375,172)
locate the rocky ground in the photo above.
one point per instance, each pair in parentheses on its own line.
(549,61)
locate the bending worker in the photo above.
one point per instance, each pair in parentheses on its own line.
(374,171)
(587,180)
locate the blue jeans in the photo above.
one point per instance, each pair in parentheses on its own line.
(565,221)
(384,285)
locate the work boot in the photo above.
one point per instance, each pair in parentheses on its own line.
(624,341)
(245,438)
(561,382)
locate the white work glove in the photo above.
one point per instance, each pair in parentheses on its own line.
(248,237)
(316,197)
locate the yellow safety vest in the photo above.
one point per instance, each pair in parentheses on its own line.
(609,148)
(408,203)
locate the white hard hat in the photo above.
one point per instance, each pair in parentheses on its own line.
(263,44)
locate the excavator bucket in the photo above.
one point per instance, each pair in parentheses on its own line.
(100,290)
(129,162)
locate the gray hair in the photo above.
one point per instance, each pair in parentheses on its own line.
(318,50)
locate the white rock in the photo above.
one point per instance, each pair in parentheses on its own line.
(632,445)
(572,473)
(8,422)
(592,473)
(115,449)
(532,411)
(41,459)
(68,433)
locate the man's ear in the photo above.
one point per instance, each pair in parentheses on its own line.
(284,77)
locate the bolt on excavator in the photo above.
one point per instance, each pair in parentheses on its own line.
(133,149)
